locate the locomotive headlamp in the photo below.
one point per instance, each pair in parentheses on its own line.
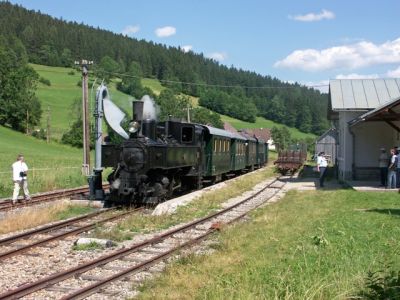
(133,127)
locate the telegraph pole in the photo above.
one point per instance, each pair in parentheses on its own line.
(48,125)
(84,64)
(188,113)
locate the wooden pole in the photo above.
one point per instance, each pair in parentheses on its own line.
(48,125)
(85,116)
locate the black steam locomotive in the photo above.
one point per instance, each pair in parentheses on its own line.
(162,157)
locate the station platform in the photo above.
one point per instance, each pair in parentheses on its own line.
(368,186)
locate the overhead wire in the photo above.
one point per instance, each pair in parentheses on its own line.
(293,86)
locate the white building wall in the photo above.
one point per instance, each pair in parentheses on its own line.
(369,137)
(345,144)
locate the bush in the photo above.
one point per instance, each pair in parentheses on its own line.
(72,72)
(383,284)
(44,81)
(39,134)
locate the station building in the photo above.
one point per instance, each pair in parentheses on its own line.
(366,115)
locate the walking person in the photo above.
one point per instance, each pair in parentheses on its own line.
(383,166)
(392,169)
(322,164)
(20,171)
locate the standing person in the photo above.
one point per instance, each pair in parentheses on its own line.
(398,169)
(392,169)
(383,163)
(20,170)
(322,164)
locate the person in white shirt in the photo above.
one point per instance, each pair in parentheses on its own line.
(20,171)
(322,164)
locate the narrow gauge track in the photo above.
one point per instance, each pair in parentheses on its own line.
(155,250)
(6,203)
(55,232)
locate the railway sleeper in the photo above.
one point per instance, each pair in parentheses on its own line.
(91,277)
(63,289)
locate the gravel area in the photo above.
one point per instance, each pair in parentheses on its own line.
(59,255)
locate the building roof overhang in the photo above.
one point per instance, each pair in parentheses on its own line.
(388,112)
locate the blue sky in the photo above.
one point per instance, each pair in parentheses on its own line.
(307,41)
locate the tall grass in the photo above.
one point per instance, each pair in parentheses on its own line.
(310,245)
(36,216)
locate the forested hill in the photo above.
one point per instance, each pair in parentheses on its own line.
(241,94)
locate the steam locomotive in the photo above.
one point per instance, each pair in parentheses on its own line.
(160,158)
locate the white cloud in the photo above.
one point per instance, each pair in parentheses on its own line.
(322,86)
(219,56)
(165,31)
(130,29)
(394,73)
(312,17)
(186,48)
(353,56)
(357,76)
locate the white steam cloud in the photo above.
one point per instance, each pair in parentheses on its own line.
(150,108)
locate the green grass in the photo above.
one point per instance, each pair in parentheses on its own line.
(87,247)
(310,245)
(73,211)
(62,93)
(153,84)
(264,123)
(62,163)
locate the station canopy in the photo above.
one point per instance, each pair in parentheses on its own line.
(388,112)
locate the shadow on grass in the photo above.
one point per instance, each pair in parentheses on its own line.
(387,211)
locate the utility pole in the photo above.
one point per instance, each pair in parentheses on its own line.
(188,113)
(27,122)
(84,64)
(48,125)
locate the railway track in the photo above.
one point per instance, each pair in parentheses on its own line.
(6,203)
(92,277)
(26,241)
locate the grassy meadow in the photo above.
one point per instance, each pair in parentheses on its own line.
(63,92)
(58,166)
(309,245)
(264,123)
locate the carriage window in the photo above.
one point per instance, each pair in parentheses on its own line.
(187,134)
(220,145)
(215,145)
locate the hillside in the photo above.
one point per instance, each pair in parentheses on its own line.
(50,41)
(52,165)
(264,123)
(63,91)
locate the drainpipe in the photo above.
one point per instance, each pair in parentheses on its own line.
(353,165)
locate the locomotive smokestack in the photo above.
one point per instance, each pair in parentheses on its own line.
(138,110)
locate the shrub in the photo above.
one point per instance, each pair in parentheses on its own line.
(72,72)
(44,81)
(382,284)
